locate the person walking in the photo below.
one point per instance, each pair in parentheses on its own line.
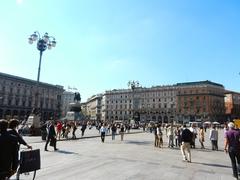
(114,131)
(155,136)
(177,136)
(159,134)
(8,152)
(59,129)
(67,130)
(13,124)
(213,136)
(193,129)
(63,130)
(201,137)
(232,147)
(51,137)
(74,127)
(103,131)
(186,140)
(84,127)
(122,131)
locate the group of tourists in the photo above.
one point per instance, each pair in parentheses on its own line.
(63,129)
(174,136)
(185,140)
(105,129)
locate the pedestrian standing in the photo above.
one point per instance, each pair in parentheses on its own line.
(122,131)
(114,131)
(144,127)
(51,136)
(213,136)
(8,152)
(156,141)
(201,137)
(170,136)
(232,147)
(186,140)
(103,131)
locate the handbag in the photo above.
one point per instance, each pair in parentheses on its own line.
(52,142)
(29,161)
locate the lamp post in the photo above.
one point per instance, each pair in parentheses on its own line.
(133,85)
(43,42)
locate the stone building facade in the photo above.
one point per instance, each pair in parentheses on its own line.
(200,101)
(182,102)
(18,97)
(232,105)
(143,104)
(92,108)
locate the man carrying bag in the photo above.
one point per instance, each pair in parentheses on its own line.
(51,137)
(8,152)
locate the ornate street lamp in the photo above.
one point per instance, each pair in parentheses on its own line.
(43,42)
(133,85)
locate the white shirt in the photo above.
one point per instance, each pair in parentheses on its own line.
(103,129)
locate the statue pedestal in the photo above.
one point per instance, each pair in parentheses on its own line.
(74,113)
(33,122)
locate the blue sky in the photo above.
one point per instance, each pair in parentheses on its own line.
(102,44)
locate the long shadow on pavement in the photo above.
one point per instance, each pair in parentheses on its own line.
(138,142)
(65,152)
(210,164)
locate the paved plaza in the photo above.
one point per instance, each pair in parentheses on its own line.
(135,158)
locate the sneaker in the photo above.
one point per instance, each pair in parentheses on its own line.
(55,149)
(189,161)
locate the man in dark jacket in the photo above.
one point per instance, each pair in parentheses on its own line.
(84,126)
(232,146)
(186,140)
(13,124)
(51,136)
(8,152)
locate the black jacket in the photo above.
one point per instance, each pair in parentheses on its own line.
(8,153)
(19,137)
(51,131)
(186,135)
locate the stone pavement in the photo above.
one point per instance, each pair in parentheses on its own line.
(135,158)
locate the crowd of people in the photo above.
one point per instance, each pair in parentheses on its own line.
(179,137)
(185,140)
